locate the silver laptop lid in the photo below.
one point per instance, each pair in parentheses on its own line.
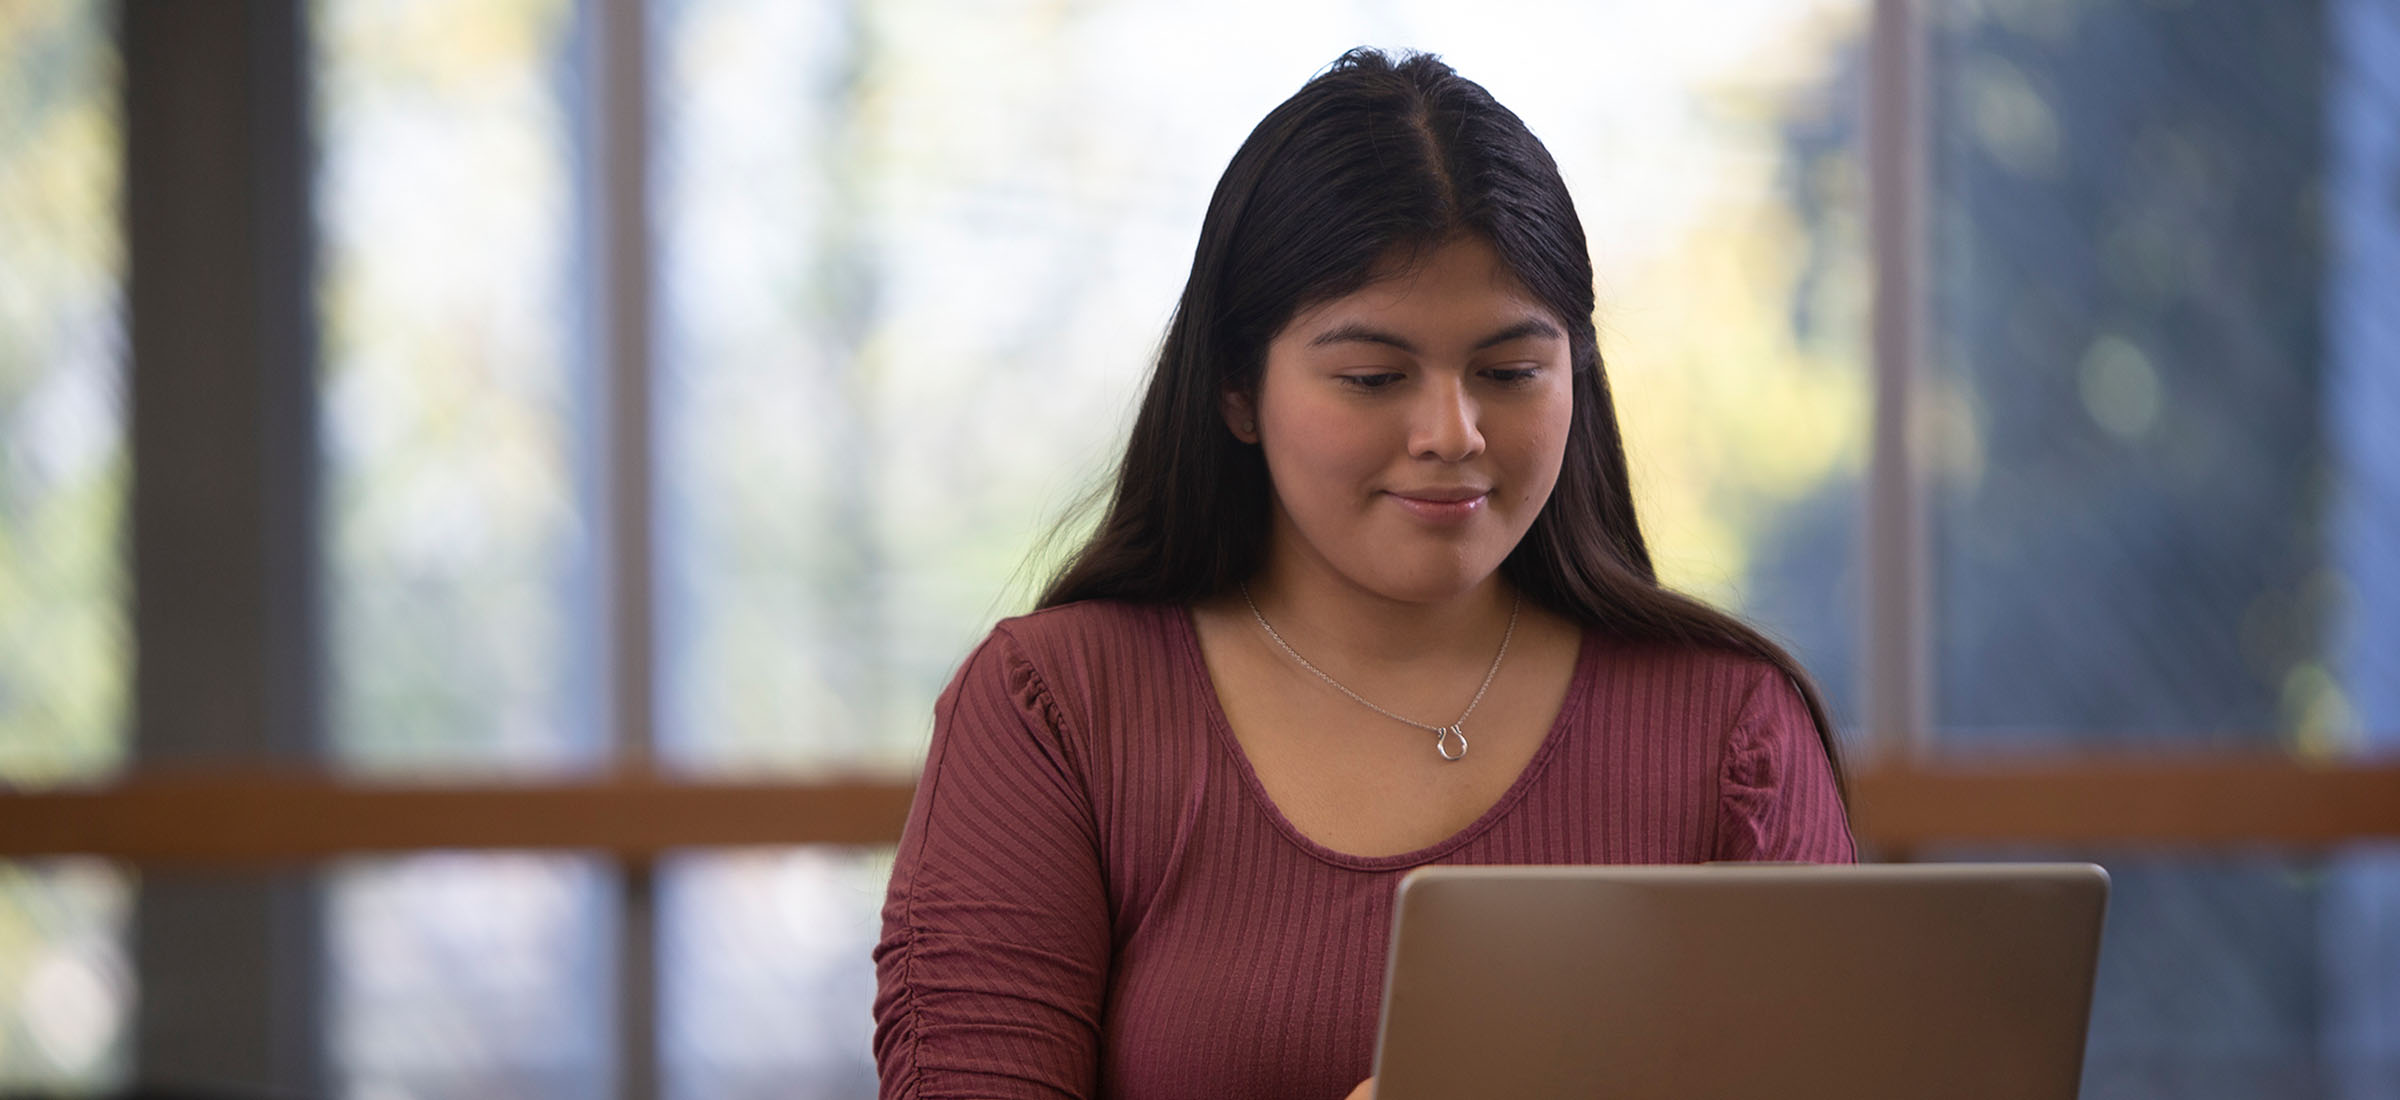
(1741,980)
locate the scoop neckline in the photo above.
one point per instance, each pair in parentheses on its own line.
(1196,666)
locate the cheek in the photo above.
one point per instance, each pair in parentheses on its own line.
(1323,461)
(1543,449)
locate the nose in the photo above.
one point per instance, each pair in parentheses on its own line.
(1443,422)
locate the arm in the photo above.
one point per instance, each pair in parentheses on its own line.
(1776,796)
(995,949)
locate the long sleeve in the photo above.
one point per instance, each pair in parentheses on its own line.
(1777,799)
(994,958)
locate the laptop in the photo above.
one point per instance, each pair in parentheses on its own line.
(1740,980)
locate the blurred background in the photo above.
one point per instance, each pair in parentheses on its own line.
(841,304)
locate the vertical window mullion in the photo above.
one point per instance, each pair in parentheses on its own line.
(617,106)
(225,623)
(1898,668)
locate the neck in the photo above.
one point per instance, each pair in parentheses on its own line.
(1326,615)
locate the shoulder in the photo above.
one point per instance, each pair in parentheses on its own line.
(1089,627)
(1080,657)
(1701,687)
(1748,707)
(1053,678)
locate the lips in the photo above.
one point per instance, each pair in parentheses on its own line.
(1452,495)
(1441,505)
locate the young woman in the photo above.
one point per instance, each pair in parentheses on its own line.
(1370,595)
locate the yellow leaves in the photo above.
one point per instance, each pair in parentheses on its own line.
(1729,415)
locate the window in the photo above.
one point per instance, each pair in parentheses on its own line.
(64,982)
(907,263)
(913,261)
(2161,256)
(463,587)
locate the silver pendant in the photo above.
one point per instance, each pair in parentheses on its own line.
(1441,741)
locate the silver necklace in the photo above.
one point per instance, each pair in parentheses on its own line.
(1442,735)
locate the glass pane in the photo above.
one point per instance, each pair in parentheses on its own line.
(2164,252)
(915,260)
(460,560)
(772,638)
(65,990)
(470,976)
(459,555)
(2162,302)
(766,980)
(2361,225)
(63,658)
(2217,975)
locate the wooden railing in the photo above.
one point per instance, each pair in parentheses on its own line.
(238,817)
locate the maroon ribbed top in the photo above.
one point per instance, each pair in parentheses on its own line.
(1095,896)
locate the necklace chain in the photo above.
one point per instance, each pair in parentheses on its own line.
(1442,735)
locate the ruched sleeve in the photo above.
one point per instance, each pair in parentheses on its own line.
(1776,796)
(994,957)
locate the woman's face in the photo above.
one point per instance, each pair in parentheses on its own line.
(1412,429)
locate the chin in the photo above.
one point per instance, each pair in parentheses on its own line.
(1427,582)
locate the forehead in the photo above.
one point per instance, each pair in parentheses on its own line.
(1454,293)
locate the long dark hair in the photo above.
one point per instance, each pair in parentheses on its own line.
(1373,154)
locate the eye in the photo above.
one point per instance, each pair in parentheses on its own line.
(1370,380)
(1512,375)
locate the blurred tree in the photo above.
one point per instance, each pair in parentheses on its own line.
(64,662)
(2125,277)
(2132,469)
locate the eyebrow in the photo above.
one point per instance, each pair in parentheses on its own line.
(1356,332)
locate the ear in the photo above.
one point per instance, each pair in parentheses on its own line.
(1241,415)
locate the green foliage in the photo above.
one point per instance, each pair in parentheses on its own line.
(63,656)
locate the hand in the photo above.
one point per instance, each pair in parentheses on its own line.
(1364,1091)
